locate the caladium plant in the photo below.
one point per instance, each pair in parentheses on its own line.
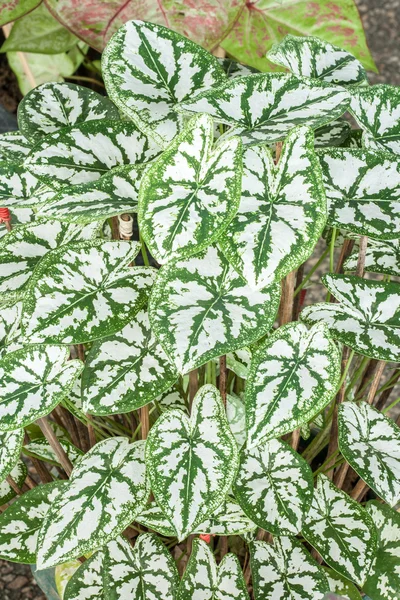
(157,373)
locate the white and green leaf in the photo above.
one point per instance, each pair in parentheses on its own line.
(381,256)
(282,211)
(190,194)
(106,490)
(264,108)
(10,449)
(239,362)
(53,106)
(192,462)
(341,585)
(228,519)
(84,292)
(342,531)
(19,216)
(20,188)
(236,415)
(149,70)
(10,317)
(362,190)
(42,450)
(18,474)
(126,371)
(370,442)
(333,134)
(14,147)
(366,316)
(33,380)
(200,308)
(292,377)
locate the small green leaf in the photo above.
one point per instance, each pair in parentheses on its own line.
(10,449)
(342,531)
(341,586)
(204,579)
(315,58)
(33,380)
(264,108)
(14,147)
(274,487)
(106,490)
(192,462)
(126,371)
(370,442)
(18,474)
(96,292)
(366,316)
(381,256)
(119,571)
(53,106)
(285,571)
(11,10)
(282,211)
(149,70)
(200,308)
(20,523)
(199,194)
(292,377)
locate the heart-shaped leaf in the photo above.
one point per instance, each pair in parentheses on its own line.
(33,380)
(114,193)
(383,581)
(199,194)
(375,109)
(192,462)
(341,530)
(370,442)
(366,316)
(205,580)
(274,487)
(381,256)
(10,317)
(315,58)
(200,308)
(285,571)
(126,370)
(53,106)
(14,9)
(119,571)
(292,377)
(363,191)
(10,449)
(149,70)
(282,211)
(25,246)
(265,107)
(85,152)
(97,293)
(20,523)
(106,490)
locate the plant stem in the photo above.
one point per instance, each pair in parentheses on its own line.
(89,79)
(392,405)
(286,306)
(14,485)
(145,421)
(193,385)
(51,437)
(361,256)
(144,251)
(222,378)
(375,382)
(311,272)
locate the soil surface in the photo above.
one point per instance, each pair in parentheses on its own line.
(382,23)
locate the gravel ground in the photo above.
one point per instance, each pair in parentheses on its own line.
(382,22)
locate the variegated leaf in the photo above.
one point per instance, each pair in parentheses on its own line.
(236,415)
(293,376)
(14,9)
(14,147)
(383,581)
(20,523)
(274,487)
(119,571)
(81,154)
(19,187)
(33,380)
(200,308)
(376,110)
(282,211)
(19,216)
(204,579)
(192,462)
(154,519)
(189,196)
(363,191)
(370,442)
(106,490)
(149,70)
(341,585)
(63,573)
(265,107)
(239,362)
(315,58)
(341,530)
(126,370)
(53,106)
(233,68)
(84,292)
(18,474)
(381,256)
(10,449)
(113,194)
(173,398)
(42,450)
(332,134)
(10,317)
(25,246)
(366,316)
(285,571)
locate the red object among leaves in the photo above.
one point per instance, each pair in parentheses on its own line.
(206,537)
(5,215)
